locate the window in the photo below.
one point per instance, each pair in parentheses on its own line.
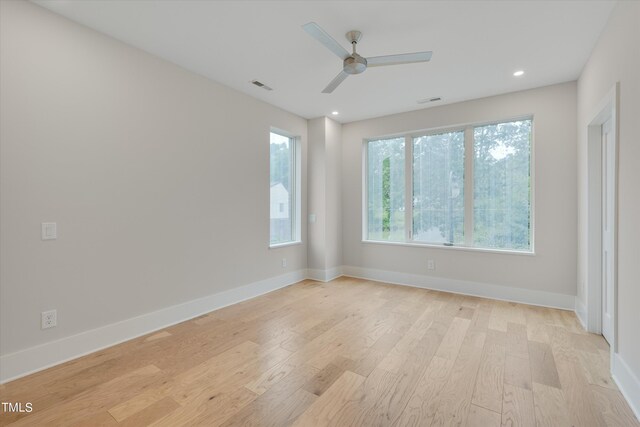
(385,194)
(284,199)
(470,187)
(502,185)
(438,188)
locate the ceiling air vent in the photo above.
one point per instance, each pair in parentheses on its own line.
(260,84)
(427,100)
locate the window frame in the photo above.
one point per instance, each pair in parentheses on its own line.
(295,206)
(468,129)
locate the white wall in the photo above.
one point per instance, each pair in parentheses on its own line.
(334,193)
(325,195)
(316,188)
(158,179)
(552,269)
(616,58)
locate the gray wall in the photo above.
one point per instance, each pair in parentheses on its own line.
(552,269)
(325,193)
(616,58)
(158,180)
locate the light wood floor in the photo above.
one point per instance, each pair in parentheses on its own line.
(345,353)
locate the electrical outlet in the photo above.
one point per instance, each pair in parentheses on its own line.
(49,319)
(284,262)
(49,231)
(431,264)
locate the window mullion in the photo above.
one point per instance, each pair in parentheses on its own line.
(468,186)
(408,188)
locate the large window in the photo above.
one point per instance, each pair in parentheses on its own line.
(284,204)
(469,187)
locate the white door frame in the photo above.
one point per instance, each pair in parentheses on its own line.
(607,109)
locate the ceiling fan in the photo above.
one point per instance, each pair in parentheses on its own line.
(354,63)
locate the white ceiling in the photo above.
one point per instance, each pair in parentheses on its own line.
(476,45)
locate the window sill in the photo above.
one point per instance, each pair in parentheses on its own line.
(454,248)
(285,244)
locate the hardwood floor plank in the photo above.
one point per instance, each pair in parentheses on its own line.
(481,417)
(275,398)
(207,409)
(549,406)
(455,399)
(517,407)
(423,403)
(141,401)
(151,413)
(452,340)
(324,409)
(543,365)
(517,372)
(517,343)
(323,379)
(579,400)
(596,368)
(102,419)
(490,379)
(272,376)
(158,336)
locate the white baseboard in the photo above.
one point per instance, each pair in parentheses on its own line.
(37,358)
(324,275)
(627,382)
(486,290)
(581,313)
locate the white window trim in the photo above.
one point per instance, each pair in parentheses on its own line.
(414,244)
(296,206)
(285,244)
(468,186)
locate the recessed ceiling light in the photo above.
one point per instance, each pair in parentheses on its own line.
(335,113)
(518,73)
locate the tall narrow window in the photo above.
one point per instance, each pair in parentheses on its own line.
(438,188)
(502,185)
(385,192)
(283,192)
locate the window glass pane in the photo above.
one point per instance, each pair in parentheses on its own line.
(438,188)
(282,202)
(385,193)
(502,185)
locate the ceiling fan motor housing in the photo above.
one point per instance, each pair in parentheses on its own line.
(355,64)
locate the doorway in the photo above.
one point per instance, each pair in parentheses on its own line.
(608,216)
(602,160)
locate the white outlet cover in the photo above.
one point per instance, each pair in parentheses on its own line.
(49,319)
(49,231)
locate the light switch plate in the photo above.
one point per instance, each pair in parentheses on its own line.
(49,231)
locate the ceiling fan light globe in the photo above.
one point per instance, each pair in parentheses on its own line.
(355,64)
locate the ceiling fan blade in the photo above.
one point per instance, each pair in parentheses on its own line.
(321,35)
(403,58)
(335,82)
